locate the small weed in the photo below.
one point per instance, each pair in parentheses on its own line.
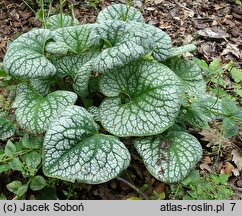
(196,187)
(93,3)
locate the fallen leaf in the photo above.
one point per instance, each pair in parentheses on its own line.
(239,183)
(158,1)
(138,3)
(227,169)
(212,34)
(150,9)
(205,166)
(207,160)
(160,188)
(236,172)
(213,137)
(233,49)
(237,158)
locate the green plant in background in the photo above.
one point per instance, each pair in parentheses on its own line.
(23,156)
(236,75)
(148,92)
(238,2)
(215,77)
(94,3)
(196,187)
(215,80)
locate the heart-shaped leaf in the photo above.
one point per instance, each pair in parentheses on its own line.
(79,67)
(122,44)
(190,75)
(25,56)
(73,39)
(34,112)
(37,183)
(120,12)
(69,65)
(169,158)
(74,150)
(59,21)
(162,42)
(43,85)
(143,99)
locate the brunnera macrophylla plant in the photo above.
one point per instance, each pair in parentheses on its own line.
(149,92)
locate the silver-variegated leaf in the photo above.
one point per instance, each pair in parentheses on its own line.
(60,21)
(169,158)
(122,44)
(69,65)
(75,151)
(42,85)
(120,12)
(25,56)
(73,39)
(34,112)
(95,113)
(143,99)
(162,42)
(190,75)
(79,67)
(176,51)
(81,80)
(7,129)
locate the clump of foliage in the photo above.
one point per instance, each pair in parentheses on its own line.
(196,187)
(125,79)
(94,3)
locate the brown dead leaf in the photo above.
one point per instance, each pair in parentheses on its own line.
(158,1)
(236,172)
(209,33)
(227,169)
(207,160)
(237,158)
(213,137)
(150,9)
(164,25)
(188,13)
(205,166)
(233,49)
(160,187)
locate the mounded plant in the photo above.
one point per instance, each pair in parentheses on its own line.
(148,91)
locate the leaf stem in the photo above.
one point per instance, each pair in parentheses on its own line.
(26,3)
(61,12)
(219,144)
(43,15)
(133,187)
(224,115)
(16,154)
(217,113)
(50,8)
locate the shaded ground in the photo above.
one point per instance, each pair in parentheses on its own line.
(185,21)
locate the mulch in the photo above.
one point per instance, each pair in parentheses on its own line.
(184,20)
(181,19)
